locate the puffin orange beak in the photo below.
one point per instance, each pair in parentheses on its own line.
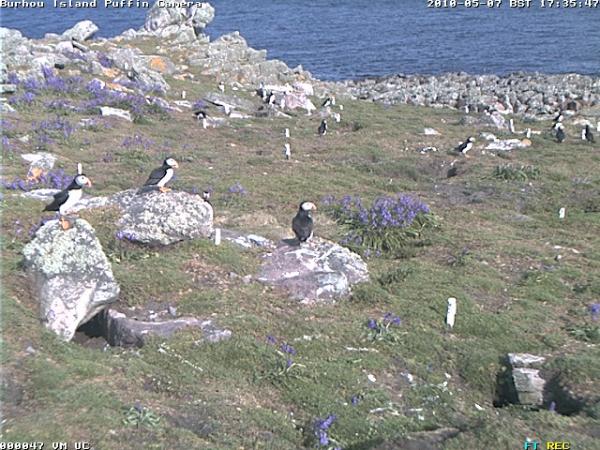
(88,184)
(176,165)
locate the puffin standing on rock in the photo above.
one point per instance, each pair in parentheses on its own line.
(66,199)
(161,176)
(302,224)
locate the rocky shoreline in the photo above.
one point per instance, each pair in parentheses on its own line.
(184,48)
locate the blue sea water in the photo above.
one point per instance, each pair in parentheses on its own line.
(342,39)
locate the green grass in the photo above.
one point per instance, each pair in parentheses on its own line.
(513,295)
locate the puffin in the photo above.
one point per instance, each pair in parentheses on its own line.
(302,224)
(588,135)
(465,146)
(323,128)
(261,91)
(67,198)
(270,100)
(559,117)
(287,151)
(161,176)
(327,102)
(560,133)
(221,86)
(206,197)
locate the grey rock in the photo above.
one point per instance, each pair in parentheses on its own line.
(7,88)
(529,386)
(115,112)
(230,101)
(71,275)
(507,144)
(246,241)
(421,440)
(166,218)
(160,18)
(525,360)
(81,31)
(64,46)
(119,330)
(319,270)
(41,160)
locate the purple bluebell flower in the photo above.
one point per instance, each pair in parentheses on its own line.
(390,318)
(271,340)
(237,188)
(372,324)
(355,400)
(323,438)
(287,348)
(594,309)
(288,363)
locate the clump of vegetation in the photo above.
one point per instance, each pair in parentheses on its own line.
(384,329)
(138,416)
(387,226)
(508,172)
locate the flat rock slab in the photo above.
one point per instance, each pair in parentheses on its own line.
(508,144)
(247,241)
(119,330)
(525,360)
(165,218)
(319,270)
(116,112)
(71,275)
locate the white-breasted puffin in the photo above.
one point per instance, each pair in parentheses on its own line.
(465,146)
(323,128)
(588,135)
(162,175)
(67,198)
(560,133)
(327,102)
(302,224)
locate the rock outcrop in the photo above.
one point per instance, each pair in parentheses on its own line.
(166,218)
(71,275)
(316,271)
(166,21)
(119,330)
(81,31)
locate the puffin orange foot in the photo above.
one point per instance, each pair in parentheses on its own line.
(164,189)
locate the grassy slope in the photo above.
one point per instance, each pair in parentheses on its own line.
(513,295)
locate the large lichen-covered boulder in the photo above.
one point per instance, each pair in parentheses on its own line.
(81,31)
(160,19)
(318,270)
(165,218)
(71,275)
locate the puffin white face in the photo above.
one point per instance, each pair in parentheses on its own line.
(171,162)
(308,206)
(82,180)
(471,139)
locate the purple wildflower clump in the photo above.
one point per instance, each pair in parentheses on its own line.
(383,328)
(238,189)
(56,179)
(387,225)
(13,78)
(321,429)
(272,340)
(287,348)
(137,141)
(105,61)
(124,236)
(25,99)
(594,310)
(59,128)
(59,84)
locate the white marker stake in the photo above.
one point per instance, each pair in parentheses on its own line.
(583,134)
(341,107)
(561,213)
(204,123)
(598,127)
(217,236)
(79,168)
(183,94)
(287,133)
(451,313)
(287,151)
(528,133)
(511,125)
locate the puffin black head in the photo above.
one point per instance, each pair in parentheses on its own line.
(307,206)
(80,181)
(170,162)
